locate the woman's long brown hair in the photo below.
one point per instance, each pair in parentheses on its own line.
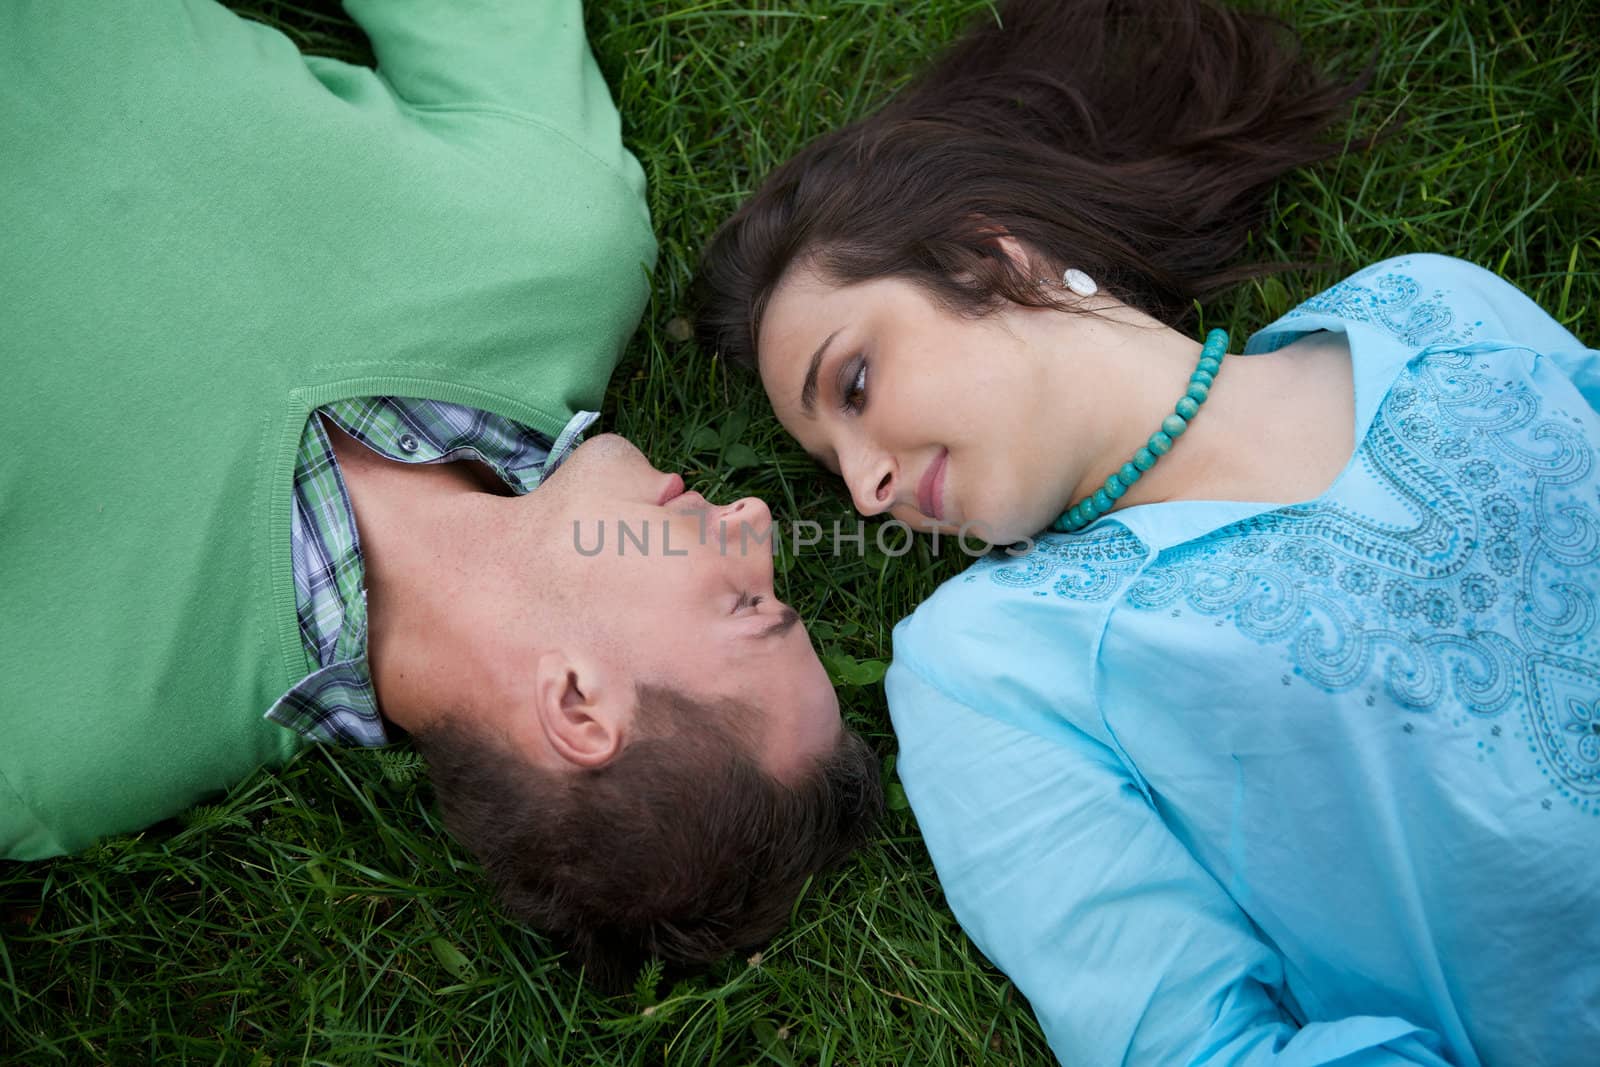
(1133,139)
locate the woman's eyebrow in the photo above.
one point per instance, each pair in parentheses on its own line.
(808,389)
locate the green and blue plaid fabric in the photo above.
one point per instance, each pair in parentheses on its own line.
(337,703)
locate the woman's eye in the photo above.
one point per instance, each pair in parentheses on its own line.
(854,397)
(747,600)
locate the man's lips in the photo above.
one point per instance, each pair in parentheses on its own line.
(678,499)
(672,490)
(691,501)
(930,490)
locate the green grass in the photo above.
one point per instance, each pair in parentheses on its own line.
(318,914)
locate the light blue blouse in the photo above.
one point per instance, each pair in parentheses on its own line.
(1223,783)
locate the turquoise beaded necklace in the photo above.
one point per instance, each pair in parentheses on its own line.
(1173,426)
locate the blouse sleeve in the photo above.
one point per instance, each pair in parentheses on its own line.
(1512,315)
(1065,876)
(1582,365)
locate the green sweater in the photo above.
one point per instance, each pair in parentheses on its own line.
(203,237)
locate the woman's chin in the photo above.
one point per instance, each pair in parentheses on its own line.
(999,531)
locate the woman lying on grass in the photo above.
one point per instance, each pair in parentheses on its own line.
(1282,743)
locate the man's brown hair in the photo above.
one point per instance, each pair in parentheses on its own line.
(682,847)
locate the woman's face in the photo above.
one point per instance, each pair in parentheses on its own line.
(940,420)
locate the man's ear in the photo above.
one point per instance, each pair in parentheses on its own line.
(582,713)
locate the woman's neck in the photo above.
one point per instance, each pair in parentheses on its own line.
(1276,428)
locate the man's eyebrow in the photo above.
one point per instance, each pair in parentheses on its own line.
(808,390)
(782,624)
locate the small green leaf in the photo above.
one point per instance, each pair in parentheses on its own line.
(894,797)
(400,765)
(1274,297)
(735,425)
(318,877)
(453,960)
(704,439)
(740,455)
(845,669)
(644,987)
(872,671)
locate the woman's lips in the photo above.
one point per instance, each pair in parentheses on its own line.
(930,490)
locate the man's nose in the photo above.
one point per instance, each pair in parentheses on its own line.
(871,479)
(745,521)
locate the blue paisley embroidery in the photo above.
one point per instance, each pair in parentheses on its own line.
(1394,302)
(1585,724)
(1358,579)
(1420,603)
(1479,592)
(1090,567)
(1563,712)
(1479,474)
(1485,592)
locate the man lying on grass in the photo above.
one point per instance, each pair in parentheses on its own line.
(289,345)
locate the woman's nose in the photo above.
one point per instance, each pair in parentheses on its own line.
(872,484)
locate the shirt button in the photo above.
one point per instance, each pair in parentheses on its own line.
(408,443)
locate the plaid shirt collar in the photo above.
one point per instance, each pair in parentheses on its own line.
(337,703)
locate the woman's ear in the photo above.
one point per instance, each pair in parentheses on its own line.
(1022,261)
(997,243)
(1069,288)
(1002,245)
